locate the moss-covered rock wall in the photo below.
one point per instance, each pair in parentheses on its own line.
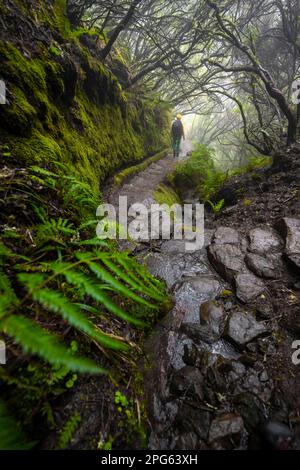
(63,103)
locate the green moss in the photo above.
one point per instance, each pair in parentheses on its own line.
(60,19)
(166,195)
(133,170)
(104,128)
(55,51)
(19,114)
(29,74)
(36,149)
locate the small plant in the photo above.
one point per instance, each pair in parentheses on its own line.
(130,415)
(217,207)
(121,400)
(247,202)
(67,432)
(226,293)
(105,445)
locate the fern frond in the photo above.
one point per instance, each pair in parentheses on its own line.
(58,303)
(136,268)
(89,286)
(43,171)
(105,276)
(11,436)
(128,277)
(5,252)
(34,339)
(93,242)
(8,298)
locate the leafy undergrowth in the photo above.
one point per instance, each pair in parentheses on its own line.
(200,173)
(66,299)
(165,195)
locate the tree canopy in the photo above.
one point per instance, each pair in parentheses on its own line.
(209,57)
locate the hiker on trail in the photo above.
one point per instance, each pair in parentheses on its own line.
(177,135)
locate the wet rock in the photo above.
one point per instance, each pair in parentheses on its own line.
(166,266)
(228,260)
(199,333)
(216,377)
(290,229)
(174,246)
(213,316)
(248,287)
(266,266)
(192,292)
(242,328)
(264,306)
(187,441)
(238,370)
(194,357)
(176,346)
(179,246)
(225,430)
(164,412)
(264,240)
(187,381)
(224,349)
(226,236)
(192,419)
(257,382)
(250,408)
(228,306)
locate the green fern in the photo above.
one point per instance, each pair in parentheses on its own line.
(217,207)
(11,436)
(92,274)
(59,278)
(55,230)
(36,340)
(58,303)
(90,287)
(67,432)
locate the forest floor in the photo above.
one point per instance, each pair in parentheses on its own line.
(216,378)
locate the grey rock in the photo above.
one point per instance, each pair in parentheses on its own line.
(188,381)
(290,229)
(250,408)
(257,382)
(192,419)
(192,356)
(264,306)
(167,267)
(264,240)
(226,426)
(242,328)
(226,236)
(214,317)
(266,266)
(200,333)
(248,287)
(193,291)
(187,441)
(228,260)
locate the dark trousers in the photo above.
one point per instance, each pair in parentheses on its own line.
(176,139)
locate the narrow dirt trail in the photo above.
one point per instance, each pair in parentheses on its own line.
(210,381)
(191,281)
(139,189)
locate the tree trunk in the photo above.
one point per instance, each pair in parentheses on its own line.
(120,27)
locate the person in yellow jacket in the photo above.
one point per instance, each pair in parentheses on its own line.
(177,134)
